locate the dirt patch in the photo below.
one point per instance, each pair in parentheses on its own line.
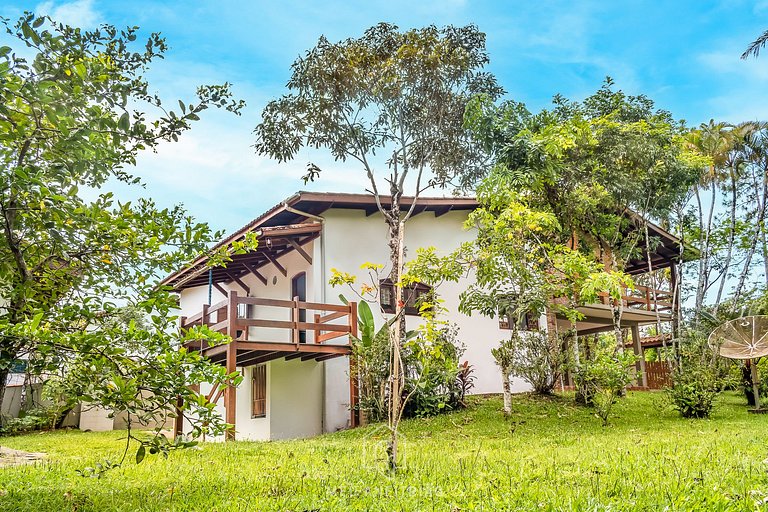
(10,457)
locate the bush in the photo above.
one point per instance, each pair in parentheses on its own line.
(434,380)
(432,373)
(693,392)
(601,381)
(39,418)
(537,359)
(697,379)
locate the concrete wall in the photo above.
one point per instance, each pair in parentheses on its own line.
(295,392)
(95,418)
(12,398)
(352,238)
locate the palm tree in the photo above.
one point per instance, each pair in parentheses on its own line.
(715,141)
(756,152)
(757,45)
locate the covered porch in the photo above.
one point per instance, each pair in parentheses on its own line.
(266,330)
(642,306)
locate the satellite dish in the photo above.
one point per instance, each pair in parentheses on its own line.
(744,338)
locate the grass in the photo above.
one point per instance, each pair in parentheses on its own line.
(550,454)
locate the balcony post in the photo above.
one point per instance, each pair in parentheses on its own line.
(230,394)
(295,316)
(642,377)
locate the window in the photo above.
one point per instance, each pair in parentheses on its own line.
(244,310)
(412,296)
(259,392)
(529,322)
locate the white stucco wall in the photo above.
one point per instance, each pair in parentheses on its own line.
(95,418)
(249,428)
(352,239)
(295,393)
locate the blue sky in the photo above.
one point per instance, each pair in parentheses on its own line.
(683,54)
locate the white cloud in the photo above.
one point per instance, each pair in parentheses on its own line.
(738,82)
(79,13)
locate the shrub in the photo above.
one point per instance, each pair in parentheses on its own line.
(39,418)
(431,366)
(693,391)
(697,379)
(538,359)
(434,380)
(602,380)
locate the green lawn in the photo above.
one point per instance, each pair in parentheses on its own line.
(549,455)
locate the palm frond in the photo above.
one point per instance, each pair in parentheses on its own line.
(757,45)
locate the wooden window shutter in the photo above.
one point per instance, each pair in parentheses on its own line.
(259,391)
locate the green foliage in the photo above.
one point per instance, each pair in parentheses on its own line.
(589,162)
(697,379)
(396,93)
(75,112)
(602,380)
(693,391)
(536,357)
(434,381)
(431,362)
(39,418)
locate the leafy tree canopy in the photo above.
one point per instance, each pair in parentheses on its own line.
(75,111)
(593,161)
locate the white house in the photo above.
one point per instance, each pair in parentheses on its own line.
(291,330)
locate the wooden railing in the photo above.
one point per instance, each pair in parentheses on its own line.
(227,317)
(658,374)
(642,297)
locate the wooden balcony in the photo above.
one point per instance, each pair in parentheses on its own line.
(642,298)
(267,329)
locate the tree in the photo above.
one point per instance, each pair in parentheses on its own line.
(394,102)
(602,166)
(521,270)
(72,256)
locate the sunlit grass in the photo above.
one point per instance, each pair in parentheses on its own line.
(549,454)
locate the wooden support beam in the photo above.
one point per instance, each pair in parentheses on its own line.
(327,357)
(262,357)
(439,212)
(300,250)
(230,395)
(245,287)
(642,377)
(294,356)
(223,291)
(276,263)
(255,272)
(353,393)
(594,330)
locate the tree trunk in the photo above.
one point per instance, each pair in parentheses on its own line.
(3,384)
(764,251)
(396,233)
(701,286)
(731,239)
(506,389)
(753,246)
